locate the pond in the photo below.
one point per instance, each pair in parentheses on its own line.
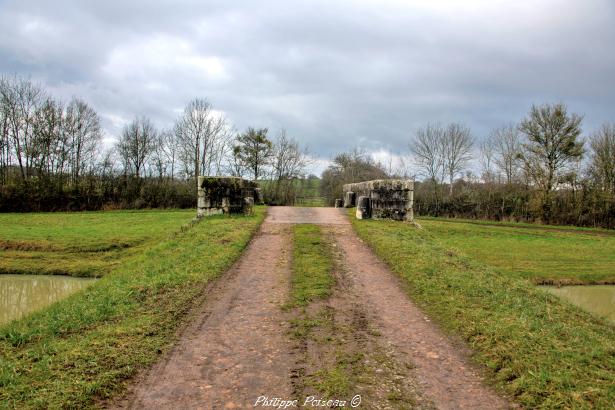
(597,299)
(23,294)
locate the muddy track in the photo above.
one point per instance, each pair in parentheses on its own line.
(345,337)
(239,345)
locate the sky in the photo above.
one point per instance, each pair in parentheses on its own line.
(336,75)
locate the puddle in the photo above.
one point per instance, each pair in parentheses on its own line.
(597,299)
(23,294)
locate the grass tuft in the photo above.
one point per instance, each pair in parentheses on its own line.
(312,265)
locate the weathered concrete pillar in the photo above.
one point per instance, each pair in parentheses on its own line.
(200,203)
(410,205)
(258,196)
(248,205)
(338,203)
(226,205)
(349,199)
(363,208)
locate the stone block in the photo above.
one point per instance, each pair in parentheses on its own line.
(227,195)
(363,207)
(389,198)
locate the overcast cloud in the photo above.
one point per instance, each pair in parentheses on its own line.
(335,74)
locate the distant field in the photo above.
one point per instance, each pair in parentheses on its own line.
(307,191)
(317,201)
(540,253)
(82,243)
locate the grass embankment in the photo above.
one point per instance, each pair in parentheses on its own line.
(86,244)
(543,254)
(83,348)
(544,352)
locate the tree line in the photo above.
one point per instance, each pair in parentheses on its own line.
(539,170)
(52,155)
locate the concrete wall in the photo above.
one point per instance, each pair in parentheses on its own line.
(225,195)
(387,198)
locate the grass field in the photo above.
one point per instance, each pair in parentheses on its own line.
(542,254)
(83,348)
(546,353)
(80,243)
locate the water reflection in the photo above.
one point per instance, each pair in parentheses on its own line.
(23,294)
(598,299)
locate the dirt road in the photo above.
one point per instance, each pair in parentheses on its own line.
(238,348)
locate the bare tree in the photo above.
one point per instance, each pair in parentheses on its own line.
(487,153)
(5,144)
(221,150)
(235,166)
(202,136)
(48,147)
(427,150)
(288,162)
(457,151)
(20,100)
(602,166)
(170,148)
(136,144)
(82,126)
(159,159)
(507,142)
(552,147)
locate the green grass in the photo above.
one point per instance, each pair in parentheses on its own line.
(312,265)
(544,352)
(542,254)
(313,281)
(87,231)
(83,348)
(80,243)
(333,381)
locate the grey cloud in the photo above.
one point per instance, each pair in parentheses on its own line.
(334,74)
